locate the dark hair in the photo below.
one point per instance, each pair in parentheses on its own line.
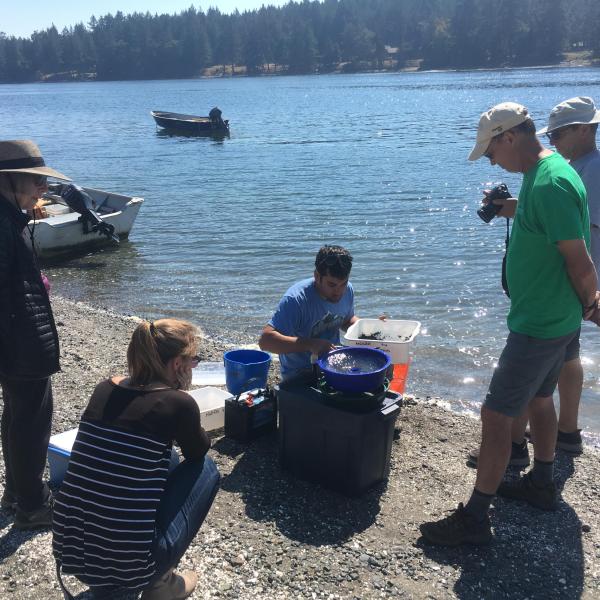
(153,344)
(334,261)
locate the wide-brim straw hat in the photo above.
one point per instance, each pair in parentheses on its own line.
(23,156)
(580,110)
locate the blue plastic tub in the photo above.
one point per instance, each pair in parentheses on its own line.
(350,377)
(246,369)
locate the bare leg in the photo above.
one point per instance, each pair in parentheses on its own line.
(543,427)
(518,427)
(570,383)
(494,453)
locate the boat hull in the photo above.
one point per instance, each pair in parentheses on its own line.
(189,123)
(64,234)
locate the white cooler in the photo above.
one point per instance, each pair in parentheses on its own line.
(59,453)
(397,336)
(211,402)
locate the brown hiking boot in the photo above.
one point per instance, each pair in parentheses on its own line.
(37,518)
(570,442)
(456,529)
(519,456)
(544,497)
(172,586)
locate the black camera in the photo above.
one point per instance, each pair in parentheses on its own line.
(488,211)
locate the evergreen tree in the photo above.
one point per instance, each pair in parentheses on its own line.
(302,56)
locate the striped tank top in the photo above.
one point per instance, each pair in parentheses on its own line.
(105,512)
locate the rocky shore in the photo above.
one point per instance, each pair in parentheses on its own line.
(271,536)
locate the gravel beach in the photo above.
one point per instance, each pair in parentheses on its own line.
(271,536)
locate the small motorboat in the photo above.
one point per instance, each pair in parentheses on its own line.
(181,123)
(62,226)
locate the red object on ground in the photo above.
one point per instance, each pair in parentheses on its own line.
(399,378)
(46,282)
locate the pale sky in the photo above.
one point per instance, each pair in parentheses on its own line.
(21,19)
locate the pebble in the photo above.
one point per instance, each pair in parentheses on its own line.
(238,561)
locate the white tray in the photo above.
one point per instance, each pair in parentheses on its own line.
(397,335)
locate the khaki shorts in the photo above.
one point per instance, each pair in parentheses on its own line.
(528,367)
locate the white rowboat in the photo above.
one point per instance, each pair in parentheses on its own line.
(62,231)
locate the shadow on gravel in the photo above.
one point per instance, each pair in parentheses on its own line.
(302,511)
(535,554)
(12,538)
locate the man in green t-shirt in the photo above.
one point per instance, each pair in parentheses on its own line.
(552,283)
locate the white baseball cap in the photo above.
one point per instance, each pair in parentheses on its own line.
(580,110)
(497,120)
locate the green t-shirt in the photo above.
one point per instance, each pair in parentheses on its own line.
(552,207)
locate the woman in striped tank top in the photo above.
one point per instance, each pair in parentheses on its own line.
(121,520)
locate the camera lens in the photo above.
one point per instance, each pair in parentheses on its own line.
(489,211)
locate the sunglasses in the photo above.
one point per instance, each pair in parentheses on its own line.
(40,180)
(555,135)
(489,154)
(195,360)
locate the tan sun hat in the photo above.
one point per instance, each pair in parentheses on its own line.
(580,110)
(23,156)
(497,120)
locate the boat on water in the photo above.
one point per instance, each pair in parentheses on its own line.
(182,123)
(61,229)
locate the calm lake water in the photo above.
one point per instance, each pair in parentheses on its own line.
(375,162)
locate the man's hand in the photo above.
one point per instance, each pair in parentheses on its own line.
(509,205)
(319,347)
(592,312)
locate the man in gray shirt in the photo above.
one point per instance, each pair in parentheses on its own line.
(572,128)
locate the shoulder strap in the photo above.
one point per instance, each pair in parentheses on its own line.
(66,594)
(504,279)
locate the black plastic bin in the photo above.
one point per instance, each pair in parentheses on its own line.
(344,448)
(244,422)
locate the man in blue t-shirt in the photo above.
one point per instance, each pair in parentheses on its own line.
(311,313)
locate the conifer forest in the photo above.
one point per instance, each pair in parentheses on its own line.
(309,37)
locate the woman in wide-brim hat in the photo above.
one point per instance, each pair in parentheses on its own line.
(23,173)
(29,352)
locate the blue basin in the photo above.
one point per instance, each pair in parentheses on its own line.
(355,368)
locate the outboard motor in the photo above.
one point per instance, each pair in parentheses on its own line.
(216,120)
(215,115)
(81,202)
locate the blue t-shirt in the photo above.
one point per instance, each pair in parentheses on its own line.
(303,313)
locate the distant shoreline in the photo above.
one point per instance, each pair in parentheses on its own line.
(227,71)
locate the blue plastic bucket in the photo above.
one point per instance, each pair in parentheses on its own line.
(246,369)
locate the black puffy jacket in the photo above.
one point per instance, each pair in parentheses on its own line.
(28,336)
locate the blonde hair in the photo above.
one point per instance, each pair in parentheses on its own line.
(154,344)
